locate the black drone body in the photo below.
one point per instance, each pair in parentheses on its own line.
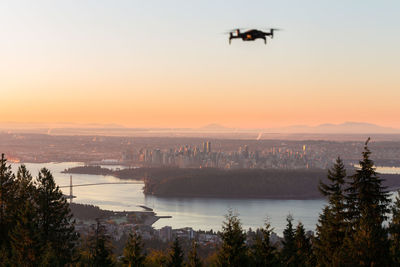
(251,35)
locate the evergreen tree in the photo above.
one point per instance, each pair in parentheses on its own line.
(100,247)
(325,252)
(7,188)
(156,258)
(394,230)
(133,251)
(193,258)
(331,225)
(4,257)
(55,219)
(175,255)
(366,242)
(24,237)
(24,186)
(304,256)
(263,252)
(233,250)
(49,257)
(288,253)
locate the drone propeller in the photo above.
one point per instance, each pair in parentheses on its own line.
(269,29)
(240,29)
(234,30)
(272,30)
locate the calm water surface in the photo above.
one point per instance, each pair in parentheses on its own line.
(199,213)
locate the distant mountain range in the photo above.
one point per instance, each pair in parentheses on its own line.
(216,127)
(343,128)
(70,128)
(328,128)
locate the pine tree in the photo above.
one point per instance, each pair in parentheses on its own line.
(156,258)
(304,255)
(24,186)
(288,253)
(366,242)
(5,257)
(55,219)
(175,255)
(394,230)
(100,247)
(7,188)
(325,252)
(193,258)
(133,251)
(24,237)
(331,225)
(233,250)
(263,252)
(49,257)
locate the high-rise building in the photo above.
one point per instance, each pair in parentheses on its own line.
(166,233)
(156,157)
(208,147)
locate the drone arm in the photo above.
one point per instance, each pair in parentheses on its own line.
(233,37)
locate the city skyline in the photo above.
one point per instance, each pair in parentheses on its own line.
(158,64)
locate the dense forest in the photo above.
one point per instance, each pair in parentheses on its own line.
(95,170)
(359,226)
(89,212)
(240,183)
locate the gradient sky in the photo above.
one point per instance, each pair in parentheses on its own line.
(167,63)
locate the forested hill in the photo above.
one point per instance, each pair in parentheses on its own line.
(243,183)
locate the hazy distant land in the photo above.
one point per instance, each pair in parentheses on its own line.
(327,131)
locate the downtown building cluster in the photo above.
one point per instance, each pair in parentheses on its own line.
(204,156)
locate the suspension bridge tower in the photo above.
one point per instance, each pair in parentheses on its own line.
(70,196)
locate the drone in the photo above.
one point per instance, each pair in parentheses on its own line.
(251,35)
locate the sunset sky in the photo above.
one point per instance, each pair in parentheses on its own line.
(168,63)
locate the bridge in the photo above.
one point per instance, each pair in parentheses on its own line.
(71,196)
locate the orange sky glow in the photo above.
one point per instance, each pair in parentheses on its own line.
(179,71)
